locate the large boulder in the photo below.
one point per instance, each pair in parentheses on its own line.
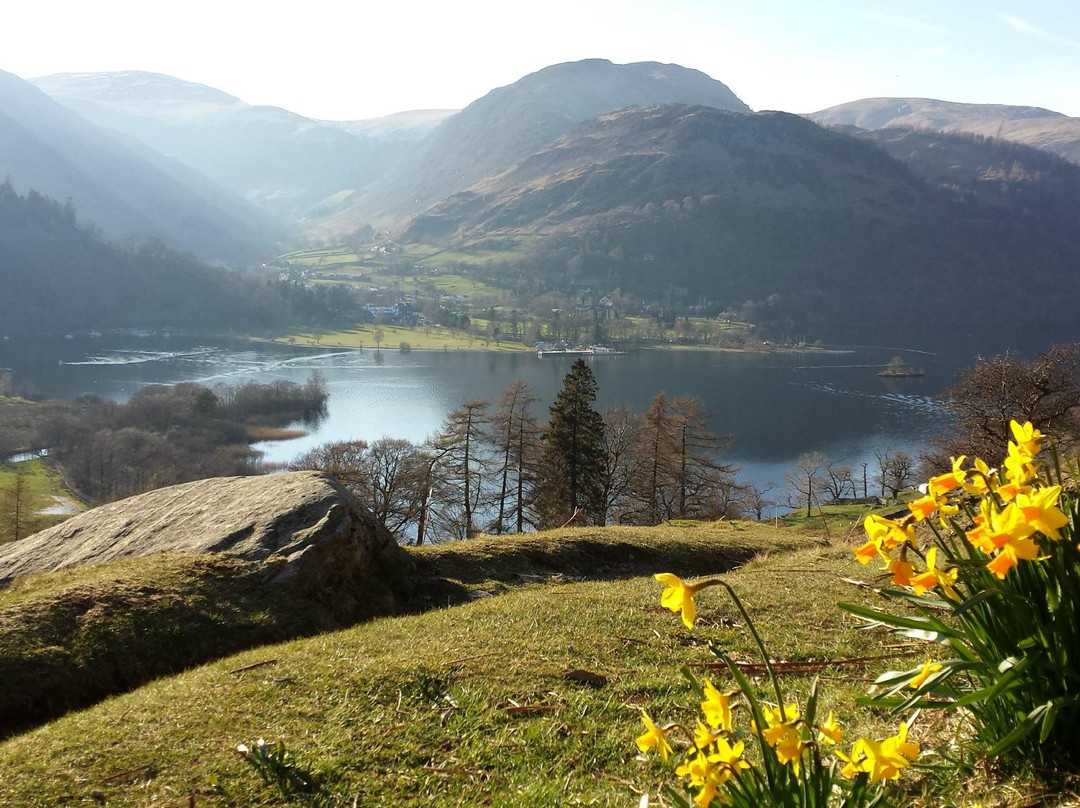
(304,528)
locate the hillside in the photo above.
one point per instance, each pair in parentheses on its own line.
(126,192)
(510,123)
(461,706)
(59,277)
(283,161)
(1033,126)
(812,229)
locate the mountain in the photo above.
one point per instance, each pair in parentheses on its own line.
(280,160)
(58,277)
(805,228)
(510,123)
(128,192)
(1033,126)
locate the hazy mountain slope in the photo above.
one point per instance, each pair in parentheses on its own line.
(1033,126)
(807,228)
(410,125)
(49,148)
(56,277)
(1028,183)
(510,123)
(282,161)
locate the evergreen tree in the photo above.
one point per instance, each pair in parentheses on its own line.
(572,463)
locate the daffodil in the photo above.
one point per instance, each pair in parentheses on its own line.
(653,736)
(934,577)
(679,595)
(830,731)
(1027,437)
(927,670)
(902,572)
(1041,512)
(942,484)
(923,507)
(783,735)
(882,760)
(716,707)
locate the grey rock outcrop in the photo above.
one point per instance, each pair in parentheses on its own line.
(307,531)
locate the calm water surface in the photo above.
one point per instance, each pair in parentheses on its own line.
(776,406)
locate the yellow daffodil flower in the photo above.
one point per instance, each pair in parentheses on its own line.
(928,669)
(942,484)
(933,577)
(901,572)
(1040,511)
(716,707)
(653,736)
(830,732)
(923,507)
(783,735)
(1027,437)
(679,596)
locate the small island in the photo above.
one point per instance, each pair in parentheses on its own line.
(899,369)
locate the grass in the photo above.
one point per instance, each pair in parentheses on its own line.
(42,480)
(423,339)
(472,705)
(72,637)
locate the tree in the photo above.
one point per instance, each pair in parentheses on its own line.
(622,460)
(515,435)
(837,480)
(379,337)
(656,451)
(572,464)
(703,484)
(19,505)
(803,481)
(460,444)
(895,469)
(1044,390)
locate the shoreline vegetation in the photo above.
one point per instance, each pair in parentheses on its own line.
(404,339)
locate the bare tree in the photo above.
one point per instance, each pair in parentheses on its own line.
(896,469)
(837,480)
(461,443)
(803,480)
(755,500)
(623,463)
(1044,390)
(515,435)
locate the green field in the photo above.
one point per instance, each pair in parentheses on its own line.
(434,338)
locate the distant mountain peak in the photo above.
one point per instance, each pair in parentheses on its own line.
(135,90)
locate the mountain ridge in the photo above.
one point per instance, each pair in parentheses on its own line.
(1033,126)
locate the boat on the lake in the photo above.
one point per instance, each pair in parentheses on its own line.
(545,349)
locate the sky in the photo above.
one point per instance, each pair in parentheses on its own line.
(352,60)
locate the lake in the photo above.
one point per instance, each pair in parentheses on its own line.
(776,406)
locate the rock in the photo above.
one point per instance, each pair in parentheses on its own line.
(308,532)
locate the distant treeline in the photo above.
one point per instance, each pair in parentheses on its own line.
(167,435)
(57,277)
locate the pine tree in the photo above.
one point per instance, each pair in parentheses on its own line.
(572,463)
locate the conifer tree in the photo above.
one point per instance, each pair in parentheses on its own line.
(572,463)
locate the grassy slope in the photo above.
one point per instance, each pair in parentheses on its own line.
(424,710)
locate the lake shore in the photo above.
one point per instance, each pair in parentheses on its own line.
(401,339)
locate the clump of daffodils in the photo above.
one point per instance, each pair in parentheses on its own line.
(801,759)
(994,576)
(1017,512)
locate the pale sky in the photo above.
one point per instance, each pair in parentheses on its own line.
(344,60)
